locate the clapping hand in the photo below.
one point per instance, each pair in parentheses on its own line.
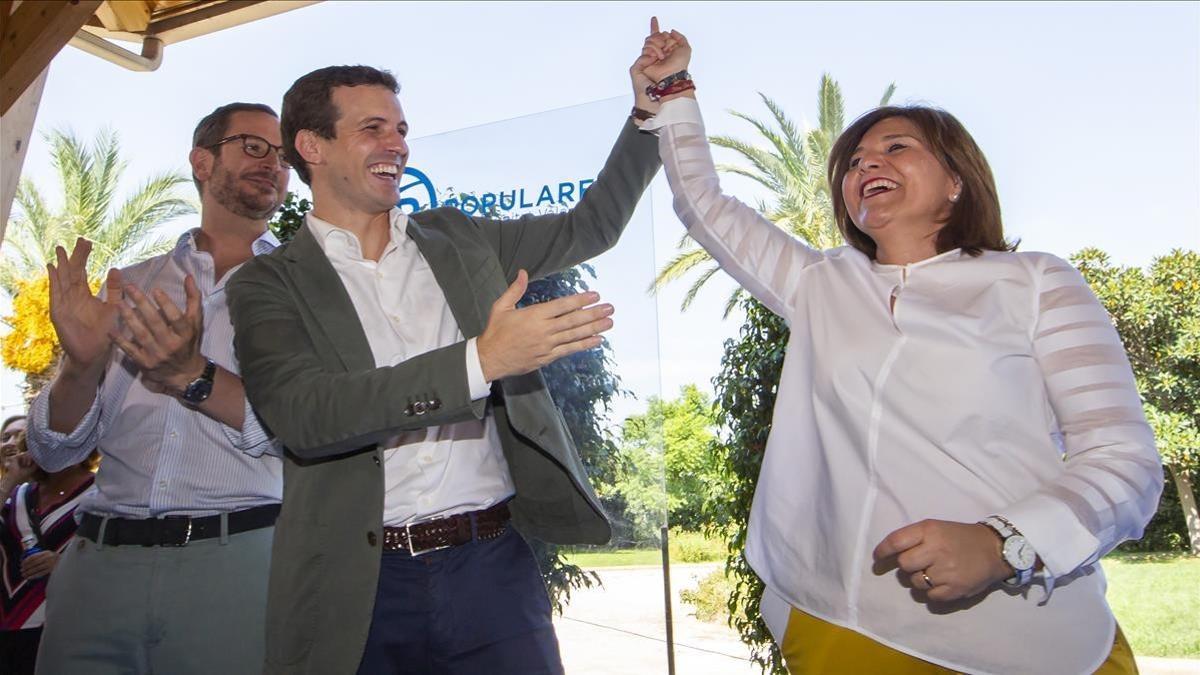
(945,560)
(82,321)
(162,340)
(520,340)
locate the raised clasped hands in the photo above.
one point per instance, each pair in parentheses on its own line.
(663,53)
(943,560)
(518,341)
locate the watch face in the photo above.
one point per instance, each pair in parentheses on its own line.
(1018,553)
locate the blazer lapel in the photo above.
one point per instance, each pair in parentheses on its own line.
(452,276)
(321,291)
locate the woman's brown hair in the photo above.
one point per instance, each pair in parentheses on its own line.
(974,224)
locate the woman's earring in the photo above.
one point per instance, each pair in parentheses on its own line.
(954,197)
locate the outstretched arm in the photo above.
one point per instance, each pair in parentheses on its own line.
(765,259)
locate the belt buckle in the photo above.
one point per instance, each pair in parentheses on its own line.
(413,551)
(187,533)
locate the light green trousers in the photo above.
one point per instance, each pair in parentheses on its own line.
(134,610)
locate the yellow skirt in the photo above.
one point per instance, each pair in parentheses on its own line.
(811,645)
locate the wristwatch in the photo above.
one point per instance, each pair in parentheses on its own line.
(199,389)
(1015,550)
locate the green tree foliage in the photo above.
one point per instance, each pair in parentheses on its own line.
(289,217)
(680,431)
(1157,313)
(89,177)
(583,387)
(792,167)
(746,389)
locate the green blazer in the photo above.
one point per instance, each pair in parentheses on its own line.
(311,378)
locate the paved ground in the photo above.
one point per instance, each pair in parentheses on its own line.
(619,630)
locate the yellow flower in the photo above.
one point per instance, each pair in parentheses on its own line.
(32,346)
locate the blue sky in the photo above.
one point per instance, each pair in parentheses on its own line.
(1088,112)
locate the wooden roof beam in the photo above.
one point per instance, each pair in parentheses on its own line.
(132,16)
(33,34)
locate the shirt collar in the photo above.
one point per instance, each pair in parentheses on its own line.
(186,244)
(952,254)
(324,231)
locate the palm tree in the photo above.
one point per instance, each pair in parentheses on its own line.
(89,178)
(792,168)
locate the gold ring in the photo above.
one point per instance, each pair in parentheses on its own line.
(928,581)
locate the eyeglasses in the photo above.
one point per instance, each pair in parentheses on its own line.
(254,146)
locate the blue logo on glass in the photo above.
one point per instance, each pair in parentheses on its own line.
(418,193)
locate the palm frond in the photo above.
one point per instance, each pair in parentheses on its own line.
(697,285)
(783,153)
(831,109)
(793,139)
(887,94)
(734,298)
(678,266)
(770,166)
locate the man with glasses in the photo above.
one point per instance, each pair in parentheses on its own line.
(169,570)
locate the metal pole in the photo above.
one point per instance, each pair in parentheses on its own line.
(666,558)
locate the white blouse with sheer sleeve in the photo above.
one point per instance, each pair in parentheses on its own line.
(996,385)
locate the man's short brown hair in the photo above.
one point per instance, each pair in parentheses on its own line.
(308,104)
(215,125)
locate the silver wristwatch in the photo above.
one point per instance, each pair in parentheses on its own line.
(1015,550)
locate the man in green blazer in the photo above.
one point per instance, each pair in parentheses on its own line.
(386,353)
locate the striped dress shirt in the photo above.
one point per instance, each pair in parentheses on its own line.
(160,457)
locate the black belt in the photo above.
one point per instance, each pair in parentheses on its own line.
(174,530)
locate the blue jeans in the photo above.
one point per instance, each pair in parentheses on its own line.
(477,608)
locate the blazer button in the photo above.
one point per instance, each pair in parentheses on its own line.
(371,538)
(434,404)
(419,408)
(376,460)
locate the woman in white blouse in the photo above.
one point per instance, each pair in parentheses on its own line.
(955,422)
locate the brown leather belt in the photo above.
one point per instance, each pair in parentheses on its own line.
(455,530)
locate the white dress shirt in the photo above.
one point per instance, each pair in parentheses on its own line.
(439,470)
(161,457)
(996,385)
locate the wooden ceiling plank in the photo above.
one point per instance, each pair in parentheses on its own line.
(213,18)
(32,36)
(125,15)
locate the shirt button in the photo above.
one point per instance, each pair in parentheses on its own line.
(174,435)
(423,501)
(427,459)
(162,485)
(371,539)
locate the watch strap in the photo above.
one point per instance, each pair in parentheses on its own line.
(199,389)
(1006,530)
